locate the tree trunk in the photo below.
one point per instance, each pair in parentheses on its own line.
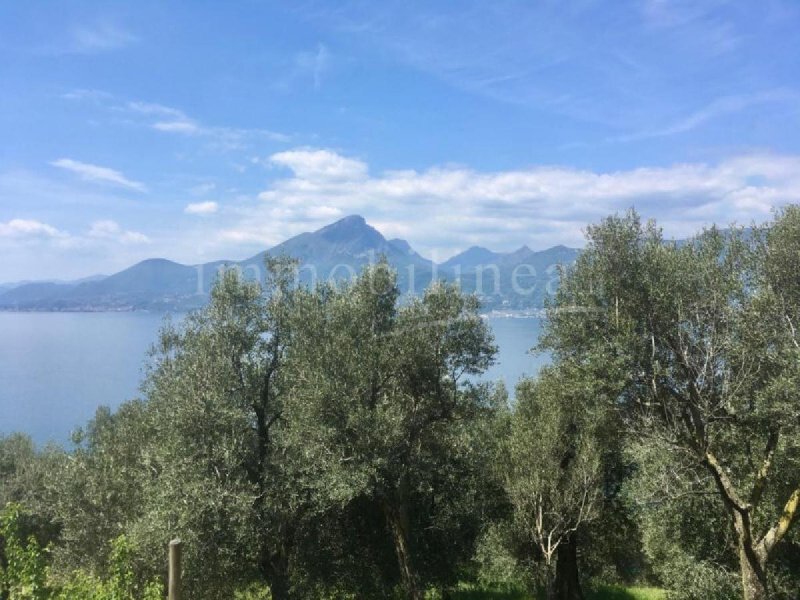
(276,572)
(279,587)
(397,520)
(566,584)
(754,574)
(3,566)
(752,556)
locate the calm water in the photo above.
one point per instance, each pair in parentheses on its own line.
(57,368)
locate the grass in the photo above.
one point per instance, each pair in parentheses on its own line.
(603,593)
(469,592)
(609,592)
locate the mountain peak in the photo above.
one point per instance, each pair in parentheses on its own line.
(350,229)
(471,257)
(348,221)
(352,219)
(402,245)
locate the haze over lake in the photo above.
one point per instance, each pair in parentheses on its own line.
(57,368)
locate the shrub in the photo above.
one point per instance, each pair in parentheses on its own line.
(25,574)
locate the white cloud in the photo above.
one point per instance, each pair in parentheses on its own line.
(440,210)
(169,119)
(104,229)
(445,209)
(90,95)
(320,164)
(28,228)
(152,108)
(96,173)
(173,120)
(111,230)
(50,238)
(134,237)
(324,212)
(186,127)
(201,208)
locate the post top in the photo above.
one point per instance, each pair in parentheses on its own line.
(176,542)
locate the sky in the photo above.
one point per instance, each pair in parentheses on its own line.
(212,130)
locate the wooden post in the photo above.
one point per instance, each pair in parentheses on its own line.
(174,585)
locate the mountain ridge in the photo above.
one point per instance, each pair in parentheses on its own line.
(333,252)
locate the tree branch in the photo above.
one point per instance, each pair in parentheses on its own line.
(791,512)
(793,331)
(724,483)
(763,472)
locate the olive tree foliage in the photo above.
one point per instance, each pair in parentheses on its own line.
(202,457)
(384,415)
(98,488)
(554,471)
(705,334)
(318,441)
(222,476)
(685,532)
(555,468)
(19,472)
(26,478)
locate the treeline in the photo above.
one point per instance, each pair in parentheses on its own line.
(333,442)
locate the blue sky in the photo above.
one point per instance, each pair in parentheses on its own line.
(212,130)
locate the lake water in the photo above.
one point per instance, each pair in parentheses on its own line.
(57,368)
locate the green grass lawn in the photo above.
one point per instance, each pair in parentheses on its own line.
(603,593)
(468,592)
(626,593)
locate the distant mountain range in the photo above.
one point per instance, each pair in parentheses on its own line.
(4,287)
(504,281)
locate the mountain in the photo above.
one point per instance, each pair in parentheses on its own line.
(519,280)
(152,284)
(405,248)
(349,241)
(471,258)
(349,237)
(155,283)
(4,287)
(29,295)
(402,245)
(515,280)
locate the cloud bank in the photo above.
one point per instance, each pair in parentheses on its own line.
(445,209)
(440,210)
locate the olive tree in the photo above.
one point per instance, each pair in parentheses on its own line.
(384,414)
(706,334)
(222,477)
(555,468)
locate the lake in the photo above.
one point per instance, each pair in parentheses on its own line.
(57,368)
